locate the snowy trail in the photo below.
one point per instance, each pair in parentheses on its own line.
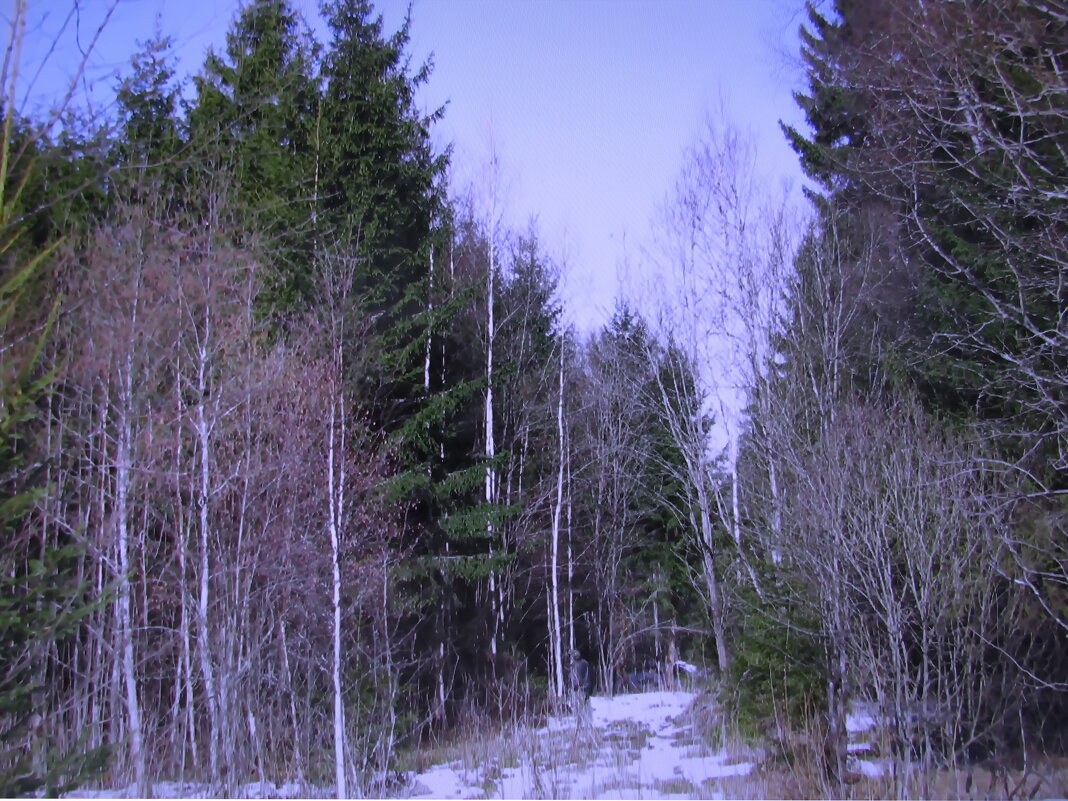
(629,746)
(642,745)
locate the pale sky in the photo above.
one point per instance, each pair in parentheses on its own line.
(589,104)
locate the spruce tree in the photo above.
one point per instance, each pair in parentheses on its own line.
(255,125)
(148,105)
(379,200)
(834,107)
(40,603)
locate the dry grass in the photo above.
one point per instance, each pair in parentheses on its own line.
(621,786)
(1043,777)
(683,787)
(627,734)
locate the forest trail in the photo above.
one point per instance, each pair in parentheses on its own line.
(649,745)
(641,745)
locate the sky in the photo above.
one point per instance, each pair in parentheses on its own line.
(588,104)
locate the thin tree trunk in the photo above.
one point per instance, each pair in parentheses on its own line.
(185,667)
(429,336)
(715,599)
(776,508)
(391,677)
(125,611)
(570,565)
(554,611)
(203,629)
(336,500)
(736,515)
(491,449)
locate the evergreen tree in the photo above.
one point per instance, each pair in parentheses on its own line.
(148,106)
(379,187)
(936,130)
(255,120)
(834,108)
(40,603)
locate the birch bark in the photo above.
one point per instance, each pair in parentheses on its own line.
(554,611)
(336,441)
(125,612)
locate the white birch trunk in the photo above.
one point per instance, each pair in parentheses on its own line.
(184,685)
(555,645)
(715,599)
(570,565)
(186,663)
(287,671)
(656,630)
(736,524)
(491,449)
(336,499)
(203,630)
(429,337)
(776,510)
(125,611)
(441,681)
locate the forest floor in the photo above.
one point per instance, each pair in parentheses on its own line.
(641,745)
(659,745)
(650,745)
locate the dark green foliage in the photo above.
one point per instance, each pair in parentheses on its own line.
(40,602)
(148,106)
(255,121)
(833,109)
(912,112)
(777,672)
(55,187)
(637,552)
(378,190)
(39,606)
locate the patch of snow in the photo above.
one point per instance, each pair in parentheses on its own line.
(639,745)
(861,717)
(443,781)
(627,746)
(125,792)
(291,790)
(873,769)
(652,708)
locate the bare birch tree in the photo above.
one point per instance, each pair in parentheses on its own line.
(724,247)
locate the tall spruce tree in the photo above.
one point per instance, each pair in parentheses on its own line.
(255,121)
(379,181)
(148,106)
(942,126)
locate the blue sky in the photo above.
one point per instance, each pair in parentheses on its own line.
(589,104)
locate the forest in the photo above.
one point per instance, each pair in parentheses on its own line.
(301,466)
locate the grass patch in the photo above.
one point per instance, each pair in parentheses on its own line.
(753,786)
(627,734)
(1044,777)
(617,784)
(678,786)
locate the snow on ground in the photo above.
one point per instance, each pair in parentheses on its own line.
(629,746)
(861,719)
(639,745)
